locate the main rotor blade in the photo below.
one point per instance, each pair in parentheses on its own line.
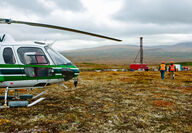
(9,21)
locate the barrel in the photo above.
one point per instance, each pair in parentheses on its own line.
(26,96)
(18,103)
(8,97)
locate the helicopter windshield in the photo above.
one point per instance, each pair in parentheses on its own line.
(57,58)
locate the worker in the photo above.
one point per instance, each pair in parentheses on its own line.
(162,69)
(172,70)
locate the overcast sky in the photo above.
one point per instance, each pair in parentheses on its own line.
(160,22)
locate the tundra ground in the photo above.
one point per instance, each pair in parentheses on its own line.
(109,102)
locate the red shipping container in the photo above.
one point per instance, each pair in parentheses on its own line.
(138,66)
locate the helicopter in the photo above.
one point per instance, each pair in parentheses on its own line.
(34,65)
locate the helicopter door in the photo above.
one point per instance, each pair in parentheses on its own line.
(36,59)
(33,57)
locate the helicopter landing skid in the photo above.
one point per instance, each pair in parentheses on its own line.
(16,97)
(61,85)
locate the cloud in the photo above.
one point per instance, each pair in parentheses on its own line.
(156,20)
(86,19)
(27,7)
(156,11)
(43,7)
(74,5)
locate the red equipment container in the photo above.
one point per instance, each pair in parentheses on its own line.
(138,66)
(186,68)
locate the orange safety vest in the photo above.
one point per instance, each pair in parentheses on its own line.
(172,68)
(162,67)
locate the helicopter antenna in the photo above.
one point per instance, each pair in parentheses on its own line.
(41,43)
(51,44)
(10,21)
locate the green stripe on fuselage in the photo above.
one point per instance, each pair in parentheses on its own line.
(12,71)
(47,66)
(7,70)
(1,77)
(11,78)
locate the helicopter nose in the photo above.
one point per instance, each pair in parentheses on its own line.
(76,72)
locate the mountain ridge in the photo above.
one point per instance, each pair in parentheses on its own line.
(125,54)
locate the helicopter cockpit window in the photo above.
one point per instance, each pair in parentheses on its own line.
(32,56)
(8,56)
(57,58)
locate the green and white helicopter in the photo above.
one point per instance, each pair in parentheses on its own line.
(33,65)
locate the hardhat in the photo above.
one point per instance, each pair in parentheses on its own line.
(171,61)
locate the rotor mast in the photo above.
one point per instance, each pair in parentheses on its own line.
(141,50)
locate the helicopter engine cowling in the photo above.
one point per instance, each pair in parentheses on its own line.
(67,73)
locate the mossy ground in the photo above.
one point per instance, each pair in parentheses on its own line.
(109,102)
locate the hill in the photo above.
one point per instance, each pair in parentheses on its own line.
(125,54)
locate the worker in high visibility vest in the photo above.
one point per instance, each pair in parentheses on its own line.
(172,70)
(162,69)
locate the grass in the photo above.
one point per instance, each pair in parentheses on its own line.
(185,63)
(93,66)
(109,102)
